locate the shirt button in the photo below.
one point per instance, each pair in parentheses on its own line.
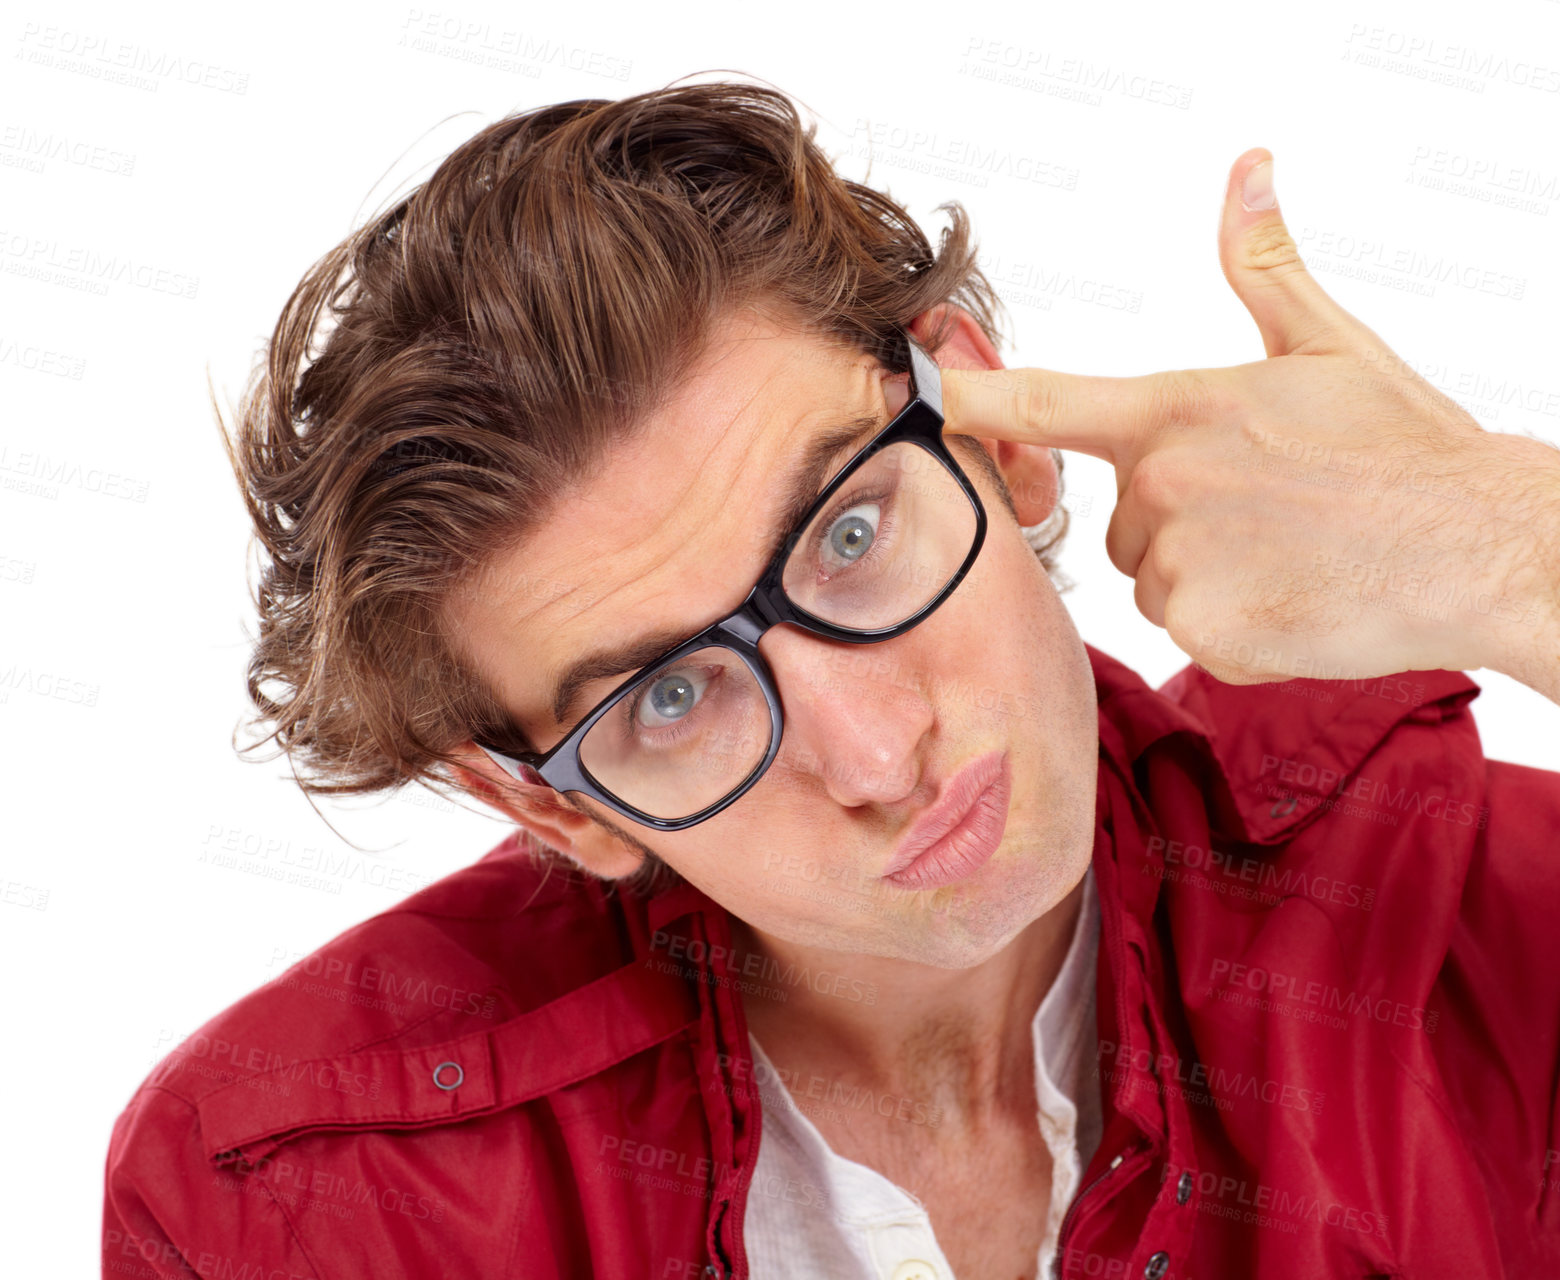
(915,1269)
(1157,1266)
(1183,1189)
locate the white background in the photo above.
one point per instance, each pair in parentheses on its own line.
(129,598)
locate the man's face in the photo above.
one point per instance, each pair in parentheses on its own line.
(672,531)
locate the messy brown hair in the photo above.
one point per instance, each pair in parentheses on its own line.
(439,378)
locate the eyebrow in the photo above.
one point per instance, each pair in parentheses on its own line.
(801,490)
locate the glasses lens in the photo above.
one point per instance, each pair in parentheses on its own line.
(683,738)
(694,730)
(885,544)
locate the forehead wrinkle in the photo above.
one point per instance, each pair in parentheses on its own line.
(747,446)
(629,658)
(626,660)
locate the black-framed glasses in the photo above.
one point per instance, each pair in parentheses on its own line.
(896,530)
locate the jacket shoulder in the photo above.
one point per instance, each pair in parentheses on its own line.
(166,1210)
(503,982)
(493,939)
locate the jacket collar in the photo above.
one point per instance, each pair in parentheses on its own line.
(1302,738)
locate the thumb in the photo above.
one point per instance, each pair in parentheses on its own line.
(1262,264)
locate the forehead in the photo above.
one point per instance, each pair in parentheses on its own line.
(670,529)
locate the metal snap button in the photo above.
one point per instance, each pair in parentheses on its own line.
(1157,1266)
(1292,802)
(439,1071)
(1183,1189)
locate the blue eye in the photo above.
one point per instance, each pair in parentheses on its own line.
(850,535)
(669,697)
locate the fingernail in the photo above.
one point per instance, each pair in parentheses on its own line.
(1257,191)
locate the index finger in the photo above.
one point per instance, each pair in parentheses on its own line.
(1106,417)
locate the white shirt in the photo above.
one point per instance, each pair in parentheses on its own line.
(814,1215)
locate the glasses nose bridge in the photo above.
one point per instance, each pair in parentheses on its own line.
(750,620)
(765,609)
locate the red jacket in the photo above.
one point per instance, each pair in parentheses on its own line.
(1329,1020)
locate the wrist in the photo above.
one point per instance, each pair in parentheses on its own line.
(1522,507)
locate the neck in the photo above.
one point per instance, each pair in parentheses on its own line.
(959,1040)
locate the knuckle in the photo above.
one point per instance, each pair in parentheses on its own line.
(1154,485)
(1146,596)
(1116,544)
(1039,402)
(1270,247)
(1180,398)
(1166,554)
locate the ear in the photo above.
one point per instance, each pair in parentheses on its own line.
(546,815)
(1029,469)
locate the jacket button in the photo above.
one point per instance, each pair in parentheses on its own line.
(1183,1189)
(1292,802)
(1157,1266)
(438,1075)
(915,1269)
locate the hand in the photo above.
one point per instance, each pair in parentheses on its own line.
(1324,512)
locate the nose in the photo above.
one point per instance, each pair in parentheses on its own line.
(853,715)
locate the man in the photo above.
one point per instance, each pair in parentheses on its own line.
(864,921)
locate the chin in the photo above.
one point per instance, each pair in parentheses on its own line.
(966,924)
